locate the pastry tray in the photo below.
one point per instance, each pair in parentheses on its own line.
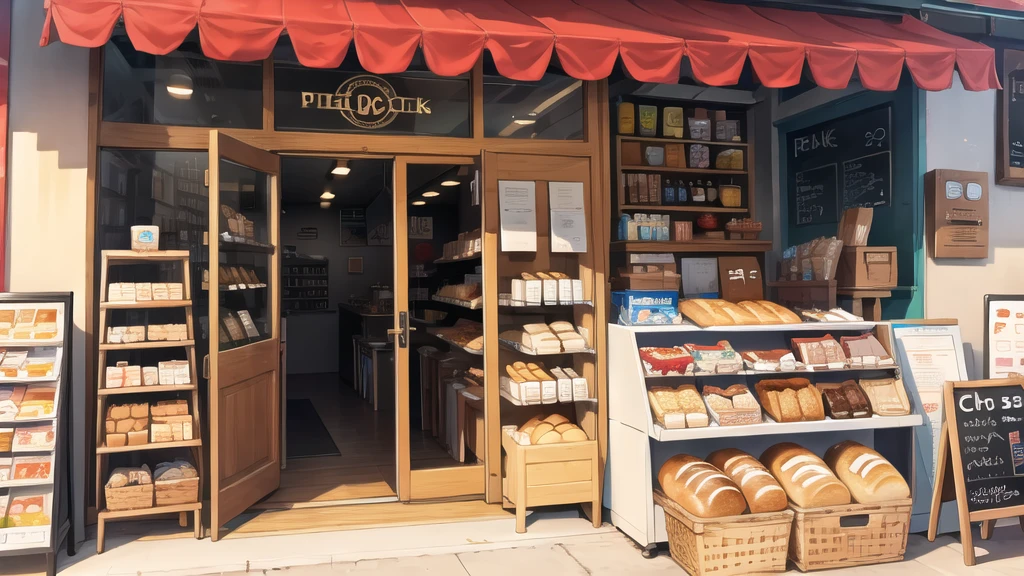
(479,352)
(474,304)
(524,350)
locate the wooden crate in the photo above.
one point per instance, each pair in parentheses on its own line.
(549,475)
(181,491)
(726,546)
(849,535)
(129,497)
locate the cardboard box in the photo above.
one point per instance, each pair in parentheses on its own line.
(631,153)
(868,267)
(855,225)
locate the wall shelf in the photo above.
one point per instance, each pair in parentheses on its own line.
(741,246)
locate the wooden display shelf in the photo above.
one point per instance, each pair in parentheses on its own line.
(153,511)
(134,257)
(700,209)
(663,140)
(144,390)
(741,246)
(148,345)
(145,304)
(103,449)
(683,170)
(476,256)
(243,247)
(511,400)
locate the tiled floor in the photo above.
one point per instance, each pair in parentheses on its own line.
(611,553)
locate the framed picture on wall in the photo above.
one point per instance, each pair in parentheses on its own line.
(1004,336)
(352,227)
(1010,121)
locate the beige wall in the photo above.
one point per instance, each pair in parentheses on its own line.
(46,216)
(961,136)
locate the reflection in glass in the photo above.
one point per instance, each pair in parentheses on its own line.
(183,88)
(245,255)
(549,109)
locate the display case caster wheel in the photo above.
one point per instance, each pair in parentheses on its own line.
(650,551)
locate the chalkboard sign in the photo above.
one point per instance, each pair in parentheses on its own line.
(842,163)
(982,449)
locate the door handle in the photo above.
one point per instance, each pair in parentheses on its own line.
(403,330)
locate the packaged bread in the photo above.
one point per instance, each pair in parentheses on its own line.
(769,312)
(869,477)
(822,352)
(693,406)
(833,315)
(771,360)
(665,361)
(791,400)
(714,359)
(732,406)
(666,406)
(700,488)
(865,351)
(807,480)
(888,397)
(707,312)
(761,490)
(844,400)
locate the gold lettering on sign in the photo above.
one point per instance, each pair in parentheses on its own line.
(366,102)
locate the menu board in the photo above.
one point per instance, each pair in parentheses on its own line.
(841,163)
(33,398)
(1004,336)
(989,423)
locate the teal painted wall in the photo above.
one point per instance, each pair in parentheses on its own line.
(902,223)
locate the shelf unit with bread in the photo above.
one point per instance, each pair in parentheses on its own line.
(568,468)
(132,392)
(640,444)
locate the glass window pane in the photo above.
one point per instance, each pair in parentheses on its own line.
(349,99)
(549,109)
(183,88)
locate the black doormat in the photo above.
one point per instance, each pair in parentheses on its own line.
(307,435)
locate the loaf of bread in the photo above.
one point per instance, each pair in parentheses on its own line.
(806,478)
(790,400)
(770,312)
(700,488)
(760,489)
(713,312)
(869,477)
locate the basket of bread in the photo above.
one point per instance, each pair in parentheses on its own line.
(732,514)
(549,461)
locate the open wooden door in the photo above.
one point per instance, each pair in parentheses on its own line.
(243,327)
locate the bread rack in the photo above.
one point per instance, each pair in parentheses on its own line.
(638,445)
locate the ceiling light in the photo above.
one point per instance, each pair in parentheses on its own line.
(327,195)
(341,168)
(431,194)
(179,86)
(450,183)
(532,114)
(325,204)
(419,203)
(523,121)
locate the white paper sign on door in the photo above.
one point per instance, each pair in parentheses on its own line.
(568,217)
(517,201)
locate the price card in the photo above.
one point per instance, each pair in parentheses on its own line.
(740,278)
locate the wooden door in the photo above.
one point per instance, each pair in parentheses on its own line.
(244,327)
(432,473)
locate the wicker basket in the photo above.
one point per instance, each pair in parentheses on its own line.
(180,491)
(129,497)
(850,535)
(727,546)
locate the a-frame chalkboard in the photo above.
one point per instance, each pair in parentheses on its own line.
(981,453)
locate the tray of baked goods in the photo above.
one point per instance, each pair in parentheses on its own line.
(777,406)
(529,384)
(542,339)
(810,354)
(745,316)
(791,496)
(465,335)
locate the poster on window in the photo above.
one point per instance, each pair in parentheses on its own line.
(1004,336)
(352,227)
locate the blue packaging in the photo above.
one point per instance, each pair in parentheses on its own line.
(640,307)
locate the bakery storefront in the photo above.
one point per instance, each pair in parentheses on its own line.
(327,247)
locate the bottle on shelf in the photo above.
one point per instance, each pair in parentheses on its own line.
(712,193)
(668,195)
(682,193)
(697,193)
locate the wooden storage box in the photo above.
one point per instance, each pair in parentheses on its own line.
(181,491)
(727,546)
(849,535)
(129,497)
(867,267)
(549,475)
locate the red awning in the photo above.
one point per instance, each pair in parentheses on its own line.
(649,37)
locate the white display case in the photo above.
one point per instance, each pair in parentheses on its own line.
(638,445)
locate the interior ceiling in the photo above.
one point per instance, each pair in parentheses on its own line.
(304,179)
